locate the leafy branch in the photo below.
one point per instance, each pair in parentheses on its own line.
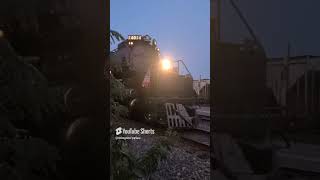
(114,35)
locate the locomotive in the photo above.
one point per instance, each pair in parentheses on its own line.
(161,90)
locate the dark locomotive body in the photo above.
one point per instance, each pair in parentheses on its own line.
(137,62)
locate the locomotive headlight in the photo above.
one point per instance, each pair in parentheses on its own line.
(166,64)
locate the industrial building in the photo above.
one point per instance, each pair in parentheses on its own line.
(202,88)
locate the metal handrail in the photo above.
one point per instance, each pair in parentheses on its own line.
(184,66)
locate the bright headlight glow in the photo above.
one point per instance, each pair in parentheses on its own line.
(166,64)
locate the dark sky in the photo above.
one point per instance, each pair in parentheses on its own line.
(181,28)
(276,22)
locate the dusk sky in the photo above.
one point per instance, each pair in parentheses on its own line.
(276,22)
(181,28)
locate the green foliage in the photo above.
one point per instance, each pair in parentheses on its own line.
(25,100)
(118,91)
(126,165)
(171,133)
(115,35)
(122,162)
(148,163)
(24,91)
(119,94)
(30,158)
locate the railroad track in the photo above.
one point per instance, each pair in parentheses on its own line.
(201,133)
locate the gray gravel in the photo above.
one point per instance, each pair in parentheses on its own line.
(183,165)
(184,161)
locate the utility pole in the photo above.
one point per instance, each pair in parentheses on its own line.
(287,77)
(178,67)
(218,20)
(199,85)
(312,88)
(306,89)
